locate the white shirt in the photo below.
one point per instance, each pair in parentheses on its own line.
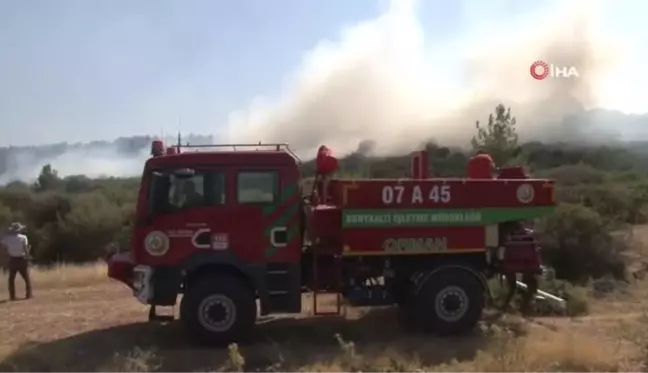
(16,245)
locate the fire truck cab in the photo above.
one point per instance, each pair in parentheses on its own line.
(222,227)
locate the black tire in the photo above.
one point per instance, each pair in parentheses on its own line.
(449,302)
(232,301)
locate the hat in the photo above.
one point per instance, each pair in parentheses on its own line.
(16,227)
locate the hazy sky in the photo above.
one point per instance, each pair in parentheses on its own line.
(81,70)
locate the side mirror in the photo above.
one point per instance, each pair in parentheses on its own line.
(183,173)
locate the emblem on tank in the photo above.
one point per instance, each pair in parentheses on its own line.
(525,193)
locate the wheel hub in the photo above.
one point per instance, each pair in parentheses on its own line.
(451,303)
(217,313)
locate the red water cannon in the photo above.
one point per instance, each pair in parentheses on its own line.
(326,163)
(157,148)
(171,150)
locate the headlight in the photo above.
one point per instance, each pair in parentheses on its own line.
(156,243)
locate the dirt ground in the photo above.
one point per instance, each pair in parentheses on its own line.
(81,321)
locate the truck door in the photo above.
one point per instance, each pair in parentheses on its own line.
(182,205)
(268,202)
(269,205)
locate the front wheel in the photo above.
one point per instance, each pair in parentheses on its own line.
(218,310)
(449,302)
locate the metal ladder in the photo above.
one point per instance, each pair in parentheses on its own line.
(317,252)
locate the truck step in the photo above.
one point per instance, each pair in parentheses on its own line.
(283,282)
(153,316)
(318,311)
(367,296)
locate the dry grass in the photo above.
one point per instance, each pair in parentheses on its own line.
(64,276)
(79,321)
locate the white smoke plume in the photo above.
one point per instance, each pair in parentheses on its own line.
(124,157)
(378,81)
(382,84)
(103,162)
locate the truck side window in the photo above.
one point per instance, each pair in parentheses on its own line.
(158,192)
(187,192)
(257,186)
(215,188)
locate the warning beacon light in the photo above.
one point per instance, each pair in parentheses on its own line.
(157,148)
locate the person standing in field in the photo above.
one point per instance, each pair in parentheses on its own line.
(16,245)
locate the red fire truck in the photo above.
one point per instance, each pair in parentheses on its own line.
(231,231)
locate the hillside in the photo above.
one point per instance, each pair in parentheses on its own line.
(124,156)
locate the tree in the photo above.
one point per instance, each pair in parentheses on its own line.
(47,180)
(498,137)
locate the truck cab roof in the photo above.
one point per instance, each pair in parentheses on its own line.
(242,157)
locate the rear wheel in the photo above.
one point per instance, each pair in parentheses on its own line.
(217,310)
(449,302)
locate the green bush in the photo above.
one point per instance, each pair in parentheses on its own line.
(574,174)
(577,242)
(5,215)
(575,296)
(92,224)
(621,202)
(77,221)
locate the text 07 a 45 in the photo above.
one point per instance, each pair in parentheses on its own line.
(416,194)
